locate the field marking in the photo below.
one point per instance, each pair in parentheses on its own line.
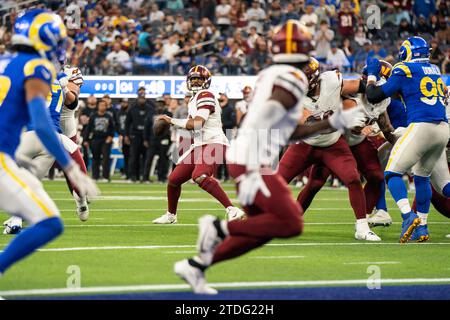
(149,224)
(153,198)
(301,244)
(277,257)
(173,252)
(123,210)
(374,262)
(249,284)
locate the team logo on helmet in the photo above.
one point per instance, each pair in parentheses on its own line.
(291,43)
(198,78)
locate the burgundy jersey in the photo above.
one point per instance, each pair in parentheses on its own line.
(346,23)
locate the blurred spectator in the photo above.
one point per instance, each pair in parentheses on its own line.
(424,7)
(121,129)
(256,16)
(117,60)
(145,43)
(259,58)
(85,115)
(323,38)
(443,34)
(175,5)
(377,51)
(223,16)
(157,145)
(92,39)
(348,50)
(325,10)
(422,27)
(155,13)
(309,19)
(235,59)
(446,63)
(242,105)
(134,127)
(405,29)
(275,13)
(346,20)
(99,136)
(336,58)
(289,13)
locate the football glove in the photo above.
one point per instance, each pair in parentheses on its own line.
(85,185)
(249,185)
(373,67)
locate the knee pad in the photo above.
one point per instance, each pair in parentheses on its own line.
(389,174)
(199,179)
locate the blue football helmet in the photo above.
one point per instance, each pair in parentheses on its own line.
(414,48)
(42,30)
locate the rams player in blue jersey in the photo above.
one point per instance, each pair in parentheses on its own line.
(420,85)
(25,81)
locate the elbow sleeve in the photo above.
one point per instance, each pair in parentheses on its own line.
(375,94)
(73,105)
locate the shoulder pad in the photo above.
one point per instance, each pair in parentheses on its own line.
(40,69)
(400,69)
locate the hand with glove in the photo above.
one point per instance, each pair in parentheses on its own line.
(373,69)
(63,81)
(249,184)
(85,185)
(346,119)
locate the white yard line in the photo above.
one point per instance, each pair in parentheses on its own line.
(374,262)
(256,284)
(300,244)
(163,197)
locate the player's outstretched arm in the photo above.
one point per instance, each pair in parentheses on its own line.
(385,126)
(190,124)
(352,87)
(376,94)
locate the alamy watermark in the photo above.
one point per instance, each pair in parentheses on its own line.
(374,280)
(74,278)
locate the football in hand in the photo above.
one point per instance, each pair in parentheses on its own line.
(160,127)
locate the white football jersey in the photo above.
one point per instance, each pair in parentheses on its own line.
(260,138)
(211,132)
(372,112)
(68,122)
(328,101)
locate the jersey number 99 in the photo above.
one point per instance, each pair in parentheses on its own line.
(432,91)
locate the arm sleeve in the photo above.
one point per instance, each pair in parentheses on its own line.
(376,94)
(40,119)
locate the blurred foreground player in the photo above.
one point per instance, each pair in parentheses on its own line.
(25,82)
(269,124)
(207,152)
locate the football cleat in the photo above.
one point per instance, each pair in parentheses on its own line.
(420,234)
(190,271)
(13,225)
(209,236)
(234,213)
(167,218)
(366,235)
(410,223)
(82,207)
(379,218)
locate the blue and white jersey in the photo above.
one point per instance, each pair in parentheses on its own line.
(14,116)
(421,88)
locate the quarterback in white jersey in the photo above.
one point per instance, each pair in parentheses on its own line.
(272,119)
(207,151)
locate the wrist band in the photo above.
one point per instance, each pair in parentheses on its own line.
(371,78)
(180,123)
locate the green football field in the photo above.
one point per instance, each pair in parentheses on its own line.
(120,250)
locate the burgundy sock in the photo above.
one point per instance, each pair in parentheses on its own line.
(210,185)
(235,246)
(173,194)
(372,191)
(357,200)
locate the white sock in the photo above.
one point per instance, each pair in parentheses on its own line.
(423,218)
(404,206)
(362,225)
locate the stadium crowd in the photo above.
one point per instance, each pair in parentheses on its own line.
(233,37)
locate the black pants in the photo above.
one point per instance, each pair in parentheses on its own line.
(101,152)
(161,150)
(137,154)
(126,155)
